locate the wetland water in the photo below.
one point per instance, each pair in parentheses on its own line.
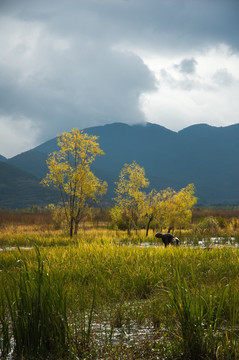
(199,242)
(15,248)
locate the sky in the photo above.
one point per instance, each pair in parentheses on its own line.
(83,63)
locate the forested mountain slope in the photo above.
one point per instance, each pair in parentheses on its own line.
(19,189)
(205,155)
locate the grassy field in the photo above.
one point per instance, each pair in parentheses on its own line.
(105,295)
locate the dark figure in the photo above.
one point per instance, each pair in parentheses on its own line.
(168,239)
(171,228)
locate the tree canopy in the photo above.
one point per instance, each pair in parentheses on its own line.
(130,197)
(167,208)
(69,171)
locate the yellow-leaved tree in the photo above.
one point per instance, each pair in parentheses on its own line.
(69,171)
(170,209)
(178,207)
(130,198)
(151,207)
(155,207)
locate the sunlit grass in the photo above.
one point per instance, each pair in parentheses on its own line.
(109,281)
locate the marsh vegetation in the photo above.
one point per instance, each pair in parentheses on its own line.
(102,295)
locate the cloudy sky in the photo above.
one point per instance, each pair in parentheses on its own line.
(81,63)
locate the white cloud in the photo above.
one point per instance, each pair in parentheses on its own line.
(224,78)
(16,135)
(207,95)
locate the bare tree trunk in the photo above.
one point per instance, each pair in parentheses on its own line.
(71,227)
(136,227)
(76,227)
(147,228)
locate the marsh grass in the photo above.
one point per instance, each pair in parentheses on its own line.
(195,321)
(54,298)
(201,319)
(5,339)
(80,318)
(36,304)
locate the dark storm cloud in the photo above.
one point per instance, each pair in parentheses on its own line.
(74,63)
(90,90)
(153,23)
(66,81)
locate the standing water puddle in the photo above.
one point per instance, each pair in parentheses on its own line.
(202,243)
(15,248)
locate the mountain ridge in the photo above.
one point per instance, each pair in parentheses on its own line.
(19,189)
(203,154)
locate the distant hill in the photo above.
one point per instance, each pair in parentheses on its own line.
(202,154)
(2,158)
(19,189)
(32,161)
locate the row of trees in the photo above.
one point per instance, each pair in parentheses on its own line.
(70,172)
(134,208)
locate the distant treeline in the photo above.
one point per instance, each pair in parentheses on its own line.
(224,212)
(40,216)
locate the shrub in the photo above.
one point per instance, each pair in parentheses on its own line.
(207,226)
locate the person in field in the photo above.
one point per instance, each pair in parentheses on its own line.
(168,239)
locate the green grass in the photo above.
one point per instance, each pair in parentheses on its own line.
(55,297)
(36,307)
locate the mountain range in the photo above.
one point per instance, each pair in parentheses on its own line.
(205,155)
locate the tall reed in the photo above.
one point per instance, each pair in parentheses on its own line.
(4,329)
(37,306)
(200,319)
